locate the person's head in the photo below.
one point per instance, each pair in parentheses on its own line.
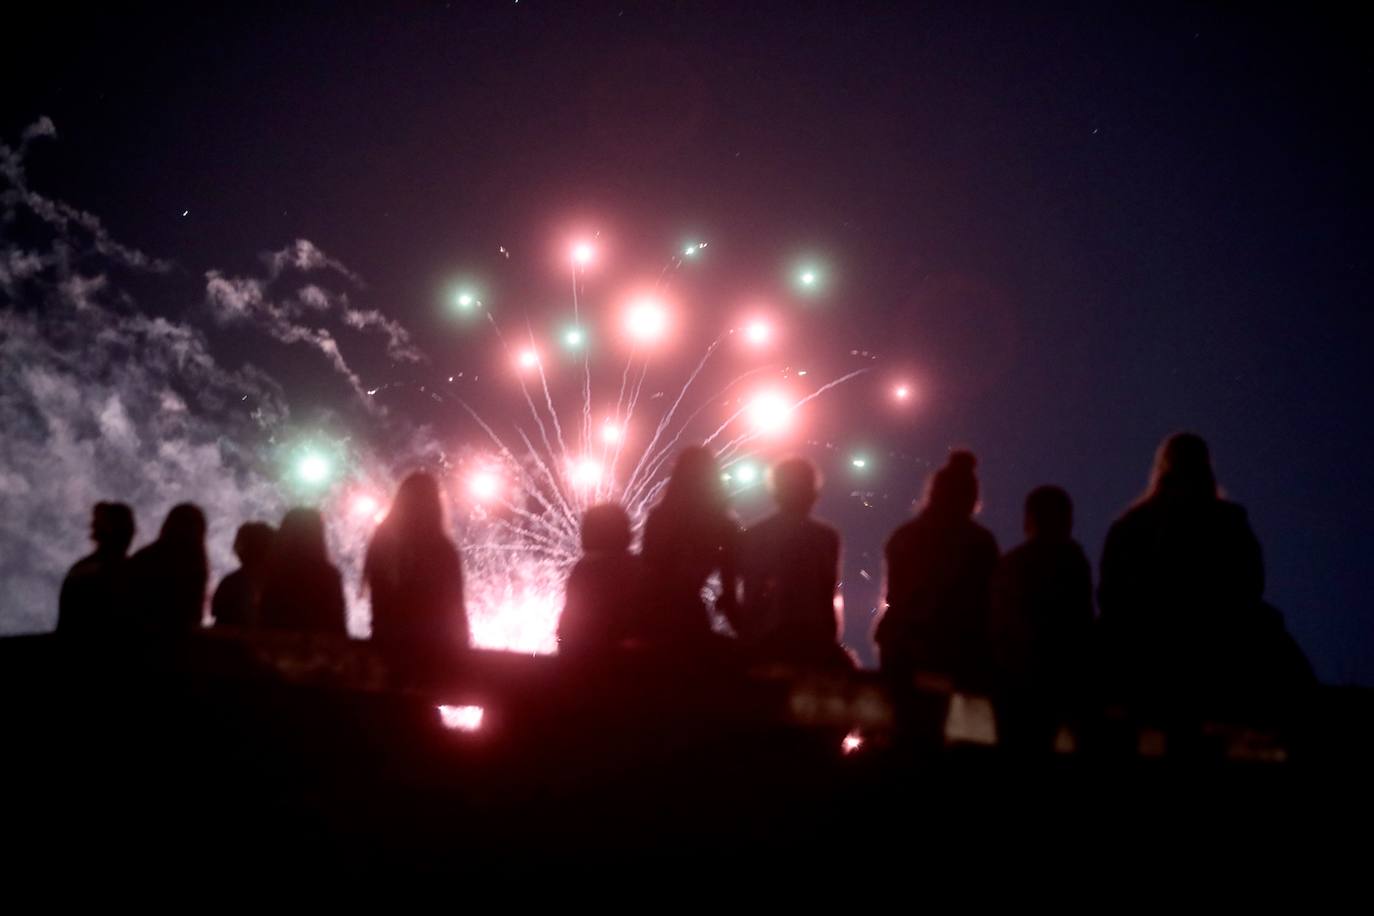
(795,484)
(300,537)
(112,527)
(695,482)
(1183,470)
(253,543)
(953,490)
(1049,514)
(185,526)
(418,508)
(605,529)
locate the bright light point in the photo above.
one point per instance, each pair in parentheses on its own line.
(364,506)
(586,473)
(461,718)
(757,333)
(746,473)
(902,392)
(689,251)
(852,742)
(611,433)
(484,485)
(573,338)
(583,254)
(646,320)
(313,469)
(465,299)
(769,412)
(859,462)
(808,277)
(528,359)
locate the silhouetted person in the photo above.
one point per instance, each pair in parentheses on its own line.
(789,564)
(302,591)
(1042,618)
(238,599)
(689,536)
(1181,589)
(167,578)
(415,576)
(939,573)
(604,603)
(89,595)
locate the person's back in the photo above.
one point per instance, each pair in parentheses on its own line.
(167,578)
(604,599)
(789,565)
(87,603)
(302,591)
(238,599)
(689,536)
(1182,579)
(939,572)
(1042,617)
(414,575)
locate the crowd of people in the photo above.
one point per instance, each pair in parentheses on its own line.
(1179,607)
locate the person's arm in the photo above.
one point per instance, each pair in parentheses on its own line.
(462,629)
(1252,561)
(728,605)
(66,600)
(832,568)
(338,607)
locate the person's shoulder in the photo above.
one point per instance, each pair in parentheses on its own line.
(232,580)
(980,535)
(88,565)
(1141,515)
(1020,554)
(763,526)
(904,532)
(824,530)
(1232,513)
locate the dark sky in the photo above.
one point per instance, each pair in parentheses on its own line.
(1080,227)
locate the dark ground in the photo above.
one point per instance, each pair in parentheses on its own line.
(307,761)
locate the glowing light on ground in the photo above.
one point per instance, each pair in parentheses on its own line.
(852,742)
(769,412)
(646,320)
(528,359)
(313,469)
(583,254)
(484,486)
(462,718)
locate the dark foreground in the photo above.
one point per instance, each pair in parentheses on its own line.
(270,759)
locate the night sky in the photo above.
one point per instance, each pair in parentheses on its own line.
(1076,230)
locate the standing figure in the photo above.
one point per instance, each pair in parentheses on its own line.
(303,591)
(167,578)
(1181,589)
(1042,618)
(939,572)
(90,592)
(789,564)
(414,574)
(238,599)
(689,536)
(604,603)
